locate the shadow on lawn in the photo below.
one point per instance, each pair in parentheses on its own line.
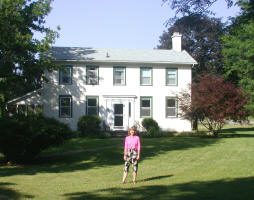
(7,193)
(237,132)
(154,178)
(236,189)
(106,157)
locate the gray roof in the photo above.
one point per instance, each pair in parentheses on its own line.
(36,94)
(121,55)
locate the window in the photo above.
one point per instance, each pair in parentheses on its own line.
(171,76)
(92,75)
(65,106)
(171,107)
(92,105)
(65,75)
(146,107)
(145,76)
(119,75)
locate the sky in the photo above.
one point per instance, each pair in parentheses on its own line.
(132,24)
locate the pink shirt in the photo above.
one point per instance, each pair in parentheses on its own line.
(132,143)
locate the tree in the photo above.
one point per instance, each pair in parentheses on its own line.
(247,9)
(189,7)
(22,57)
(238,51)
(201,38)
(213,100)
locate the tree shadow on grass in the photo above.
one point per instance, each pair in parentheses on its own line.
(236,132)
(7,193)
(106,157)
(236,189)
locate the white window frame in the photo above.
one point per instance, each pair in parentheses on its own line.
(89,79)
(61,106)
(142,77)
(119,68)
(96,106)
(175,107)
(67,73)
(146,108)
(174,71)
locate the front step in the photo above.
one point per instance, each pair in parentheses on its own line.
(119,134)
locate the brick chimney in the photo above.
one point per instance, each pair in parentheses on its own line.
(177,42)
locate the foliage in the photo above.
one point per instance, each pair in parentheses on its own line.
(103,135)
(89,125)
(213,100)
(155,133)
(192,7)
(22,57)
(247,10)
(239,53)
(201,38)
(147,123)
(23,137)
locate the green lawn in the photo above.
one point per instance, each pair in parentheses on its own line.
(173,168)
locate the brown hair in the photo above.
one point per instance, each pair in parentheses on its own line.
(132,128)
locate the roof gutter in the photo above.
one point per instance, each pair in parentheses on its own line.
(125,62)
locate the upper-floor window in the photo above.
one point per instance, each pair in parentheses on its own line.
(171,76)
(171,107)
(92,75)
(92,105)
(145,106)
(65,75)
(119,76)
(146,76)
(65,106)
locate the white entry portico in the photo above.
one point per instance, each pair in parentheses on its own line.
(120,111)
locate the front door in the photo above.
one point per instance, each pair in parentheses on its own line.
(118,115)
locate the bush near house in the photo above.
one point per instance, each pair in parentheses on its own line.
(152,128)
(147,123)
(89,125)
(23,137)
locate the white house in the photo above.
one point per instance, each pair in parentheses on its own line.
(122,86)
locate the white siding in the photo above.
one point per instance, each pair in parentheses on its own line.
(107,93)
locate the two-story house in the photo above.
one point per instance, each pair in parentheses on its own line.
(122,86)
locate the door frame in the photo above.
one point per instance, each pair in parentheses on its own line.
(128,121)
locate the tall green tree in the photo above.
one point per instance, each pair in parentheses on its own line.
(189,7)
(22,60)
(238,51)
(201,38)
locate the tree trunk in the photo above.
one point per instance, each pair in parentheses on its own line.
(195,124)
(3,111)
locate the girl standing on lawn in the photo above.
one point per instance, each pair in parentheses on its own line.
(131,153)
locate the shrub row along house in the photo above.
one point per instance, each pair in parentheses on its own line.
(121,86)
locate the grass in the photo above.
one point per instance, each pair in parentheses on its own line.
(173,168)
(83,144)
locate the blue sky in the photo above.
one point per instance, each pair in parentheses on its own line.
(135,24)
